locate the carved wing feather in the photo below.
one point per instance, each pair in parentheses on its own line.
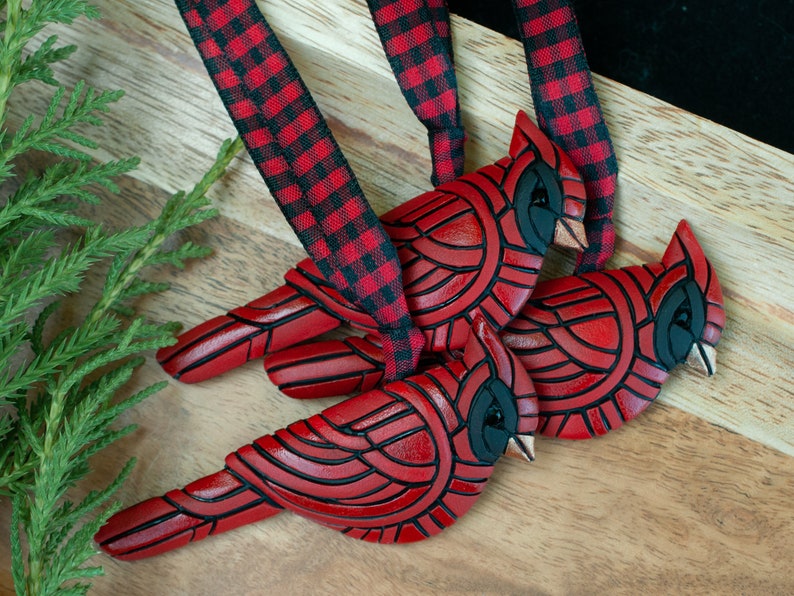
(362,461)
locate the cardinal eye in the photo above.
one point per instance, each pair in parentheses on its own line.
(683,316)
(680,320)
(540,197)
(494,417)
(492,420)
(539,202)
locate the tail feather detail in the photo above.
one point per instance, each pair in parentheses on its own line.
(210,505)
(277,320)
(329,368)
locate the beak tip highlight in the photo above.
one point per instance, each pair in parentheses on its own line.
(703,358)
(570,233)
(521,447)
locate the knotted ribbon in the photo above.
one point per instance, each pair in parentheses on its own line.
(415,35)
(303,166)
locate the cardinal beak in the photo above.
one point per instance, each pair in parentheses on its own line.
(570,234)
(703,358)
(521,447)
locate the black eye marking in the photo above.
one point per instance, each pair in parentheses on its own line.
(538,203)
(493,419)
(680,321)
(494,416)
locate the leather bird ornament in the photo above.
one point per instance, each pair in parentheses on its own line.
(397,464)
(598,347)
(471,246)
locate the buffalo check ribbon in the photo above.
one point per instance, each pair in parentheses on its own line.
(304,168)
(568,109)
(415,35)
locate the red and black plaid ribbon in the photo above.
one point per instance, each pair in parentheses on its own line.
(568,109)
(416,38)
(303,166)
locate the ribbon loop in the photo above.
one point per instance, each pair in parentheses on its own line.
(447,152)
(415,35)
(568,110)
(300,161)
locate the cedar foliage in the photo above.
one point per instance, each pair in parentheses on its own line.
(62,390)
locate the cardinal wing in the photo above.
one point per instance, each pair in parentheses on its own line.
(367,461)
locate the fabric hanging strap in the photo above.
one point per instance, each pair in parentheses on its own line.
(302,165)
(568,109)
(415,35)
(416,38)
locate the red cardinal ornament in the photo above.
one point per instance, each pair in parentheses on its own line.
(471,246)
(397,464)
(598,347)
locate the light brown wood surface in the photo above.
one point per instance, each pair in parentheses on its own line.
(695,496)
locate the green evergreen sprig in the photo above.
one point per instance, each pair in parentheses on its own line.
(62,390)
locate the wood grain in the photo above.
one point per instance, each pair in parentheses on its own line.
(695,496)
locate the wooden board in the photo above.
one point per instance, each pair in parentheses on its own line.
(696,495)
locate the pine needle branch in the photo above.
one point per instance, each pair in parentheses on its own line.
(63,388)
(59,122)
(35,202)
(21,26)
(69,419)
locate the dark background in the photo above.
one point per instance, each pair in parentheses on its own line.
(725,60)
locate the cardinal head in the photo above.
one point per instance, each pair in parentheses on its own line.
(498,399)
(687,306)
(548,192)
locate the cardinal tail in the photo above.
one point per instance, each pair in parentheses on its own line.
(327,368)
(277,320)
(210,505)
